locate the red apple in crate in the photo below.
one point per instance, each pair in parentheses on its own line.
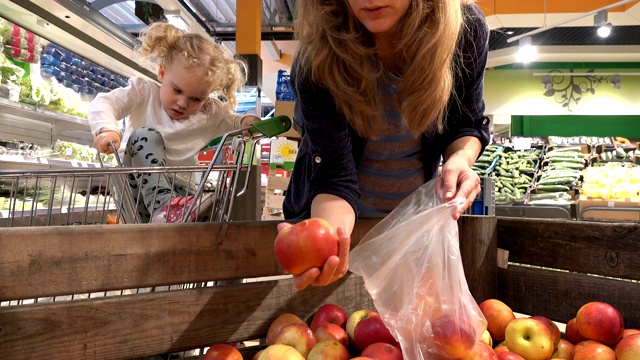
(329,350)
(563,350)
(580,345)
(481,351)
(600,322)
(500,348)
(371,330)
(280,352)
(222,352)
(498,315)
(508,355)
(571,332)
(452,337)
(354,319)
(298,336)
(361,358)
(529,338)
(628,332)
(329,313)
(553,328)
(595,352)
(305,245)
(330,331)
(280,322)
(629,348)
(382,351)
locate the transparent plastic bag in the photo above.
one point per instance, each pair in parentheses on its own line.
(412,269)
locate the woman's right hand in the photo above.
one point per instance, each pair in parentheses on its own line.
(101,142)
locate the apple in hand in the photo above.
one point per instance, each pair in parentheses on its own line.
(600,322)
(305,245)
(371,330)
(382,351)
(298,336)
(280,322)
(329,313)
(563,350)
(498,316)
(328,331)
(595,351)
(629,348)
(329,350)
(481,351)
(280,352)
(572,333)
(222,352)
(529,338)
(354,319)
(452,338)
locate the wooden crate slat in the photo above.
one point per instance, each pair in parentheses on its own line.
(607,249)
(559,295)
(124,327)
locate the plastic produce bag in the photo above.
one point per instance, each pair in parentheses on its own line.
(412,269)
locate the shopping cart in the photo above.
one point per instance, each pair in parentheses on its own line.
(102,195)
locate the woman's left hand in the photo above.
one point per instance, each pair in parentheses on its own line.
(458,180)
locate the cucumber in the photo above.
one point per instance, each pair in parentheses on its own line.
(552,188)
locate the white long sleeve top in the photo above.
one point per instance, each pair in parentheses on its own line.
(140,101)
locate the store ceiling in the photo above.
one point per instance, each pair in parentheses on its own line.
(574,41)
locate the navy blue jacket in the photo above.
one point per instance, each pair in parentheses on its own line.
(330,149)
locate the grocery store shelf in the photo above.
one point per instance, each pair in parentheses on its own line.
(48,161)
(61,121)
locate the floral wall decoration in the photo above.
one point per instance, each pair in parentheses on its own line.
(569,88)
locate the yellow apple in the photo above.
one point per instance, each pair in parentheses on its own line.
(529,338)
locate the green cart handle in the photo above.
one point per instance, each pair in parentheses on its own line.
(263,128)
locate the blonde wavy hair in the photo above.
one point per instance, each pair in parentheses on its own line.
(163,43)
(341,55)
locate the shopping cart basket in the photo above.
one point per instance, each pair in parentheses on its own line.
(102,195)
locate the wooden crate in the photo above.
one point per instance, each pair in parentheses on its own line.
(48,261)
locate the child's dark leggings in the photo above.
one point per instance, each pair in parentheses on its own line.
(146,148)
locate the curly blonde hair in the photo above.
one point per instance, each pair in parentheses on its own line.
(163,43)
(341,55)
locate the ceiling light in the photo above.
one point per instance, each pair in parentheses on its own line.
(526,51)
(604,30)
(174,18)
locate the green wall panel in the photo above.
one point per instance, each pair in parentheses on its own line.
(571,125)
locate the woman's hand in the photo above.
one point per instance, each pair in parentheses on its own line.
(333,269)
(458,180)
(101,142)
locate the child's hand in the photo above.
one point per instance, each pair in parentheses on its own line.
(248,120)
(101,142)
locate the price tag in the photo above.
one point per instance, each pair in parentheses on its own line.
(74,163)
(611,204)
(68,151)
(44,161)
(278,159)
(521,143)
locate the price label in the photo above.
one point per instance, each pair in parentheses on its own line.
(521,143)
(68,151)
(611,204)
(44,161)
(278,159)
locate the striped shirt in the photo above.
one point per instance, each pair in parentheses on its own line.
(391,167)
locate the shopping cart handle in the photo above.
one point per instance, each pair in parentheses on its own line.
(267,128)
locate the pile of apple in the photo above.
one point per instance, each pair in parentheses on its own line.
(331,335)
(596,333)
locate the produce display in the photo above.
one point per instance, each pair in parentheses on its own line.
(513,174)
(611,181)
(560,173)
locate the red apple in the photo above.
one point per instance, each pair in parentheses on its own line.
(329,350)
(595,352)
(361,358)
(629,348)
(508,355)
(628,332)
(500,348)
(371,330)
(298,336)
(553,328)
(572,333)
(382,351)
(329,313)
(529,338)
(498,316)
(563,350)
(222,352)
(330,331)
(354,319)
(600,322)
(580,345)
(280,322)
(305,245)
(452,338)
(481,351)
(280,352)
